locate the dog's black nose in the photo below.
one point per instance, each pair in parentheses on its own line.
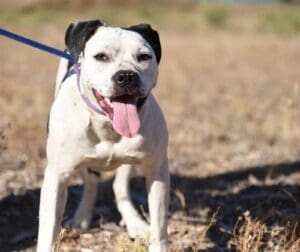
(126,78)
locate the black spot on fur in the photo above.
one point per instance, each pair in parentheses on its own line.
(150,35)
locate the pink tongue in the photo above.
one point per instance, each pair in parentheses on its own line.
(126,119)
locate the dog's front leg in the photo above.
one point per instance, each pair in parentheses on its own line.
(158,184)
(52,204)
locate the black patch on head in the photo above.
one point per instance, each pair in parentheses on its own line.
(150,35)
(78,34)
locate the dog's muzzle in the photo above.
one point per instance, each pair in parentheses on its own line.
(123,108)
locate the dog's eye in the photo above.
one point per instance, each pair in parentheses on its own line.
(101,57)
(144,57)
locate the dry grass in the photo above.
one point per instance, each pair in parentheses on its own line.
(60,238)
(252,235)
(123,244)
(199,242)
(248,234)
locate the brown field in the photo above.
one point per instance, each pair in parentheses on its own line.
(231,99)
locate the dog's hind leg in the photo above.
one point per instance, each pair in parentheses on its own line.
(136,227)
(84,213)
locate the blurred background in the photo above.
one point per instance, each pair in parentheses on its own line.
(229,86)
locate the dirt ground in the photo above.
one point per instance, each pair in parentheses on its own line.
(232,105)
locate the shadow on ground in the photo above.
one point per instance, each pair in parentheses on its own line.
(232,193)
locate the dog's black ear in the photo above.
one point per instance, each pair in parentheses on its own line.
(77,34)
(150,35)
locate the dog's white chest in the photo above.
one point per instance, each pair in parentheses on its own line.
(108,155)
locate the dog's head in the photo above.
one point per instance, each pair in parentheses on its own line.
(119,66)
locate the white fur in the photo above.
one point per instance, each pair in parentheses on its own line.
(79,138)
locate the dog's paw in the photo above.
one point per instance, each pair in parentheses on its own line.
(77,221)
(158,246)
(137,228)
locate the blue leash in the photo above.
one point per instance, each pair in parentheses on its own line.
(56,52)
(36,44)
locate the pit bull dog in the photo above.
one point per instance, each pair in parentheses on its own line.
(104,117)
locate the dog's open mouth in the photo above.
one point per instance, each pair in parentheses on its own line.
(123,111)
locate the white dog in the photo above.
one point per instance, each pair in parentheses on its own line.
(105,120)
